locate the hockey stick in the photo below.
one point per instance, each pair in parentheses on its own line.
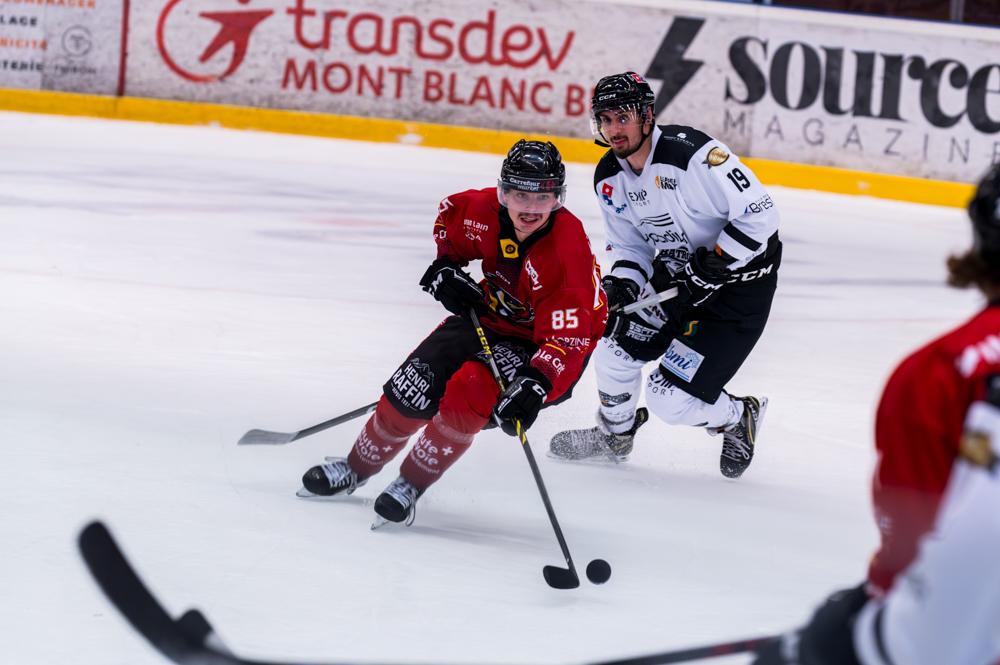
(697,653)
(556,577)
(654,299)
(263,436)
(191,640)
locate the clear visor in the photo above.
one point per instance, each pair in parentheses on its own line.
(603,123)
(538,202)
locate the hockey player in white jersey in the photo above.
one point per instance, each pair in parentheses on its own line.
(679,210)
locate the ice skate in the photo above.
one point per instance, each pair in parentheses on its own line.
(738,440)
(330,479)
(397,503)
(596,443)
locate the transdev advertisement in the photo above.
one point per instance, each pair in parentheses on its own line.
(880,95)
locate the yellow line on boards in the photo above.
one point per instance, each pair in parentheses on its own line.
(786,174)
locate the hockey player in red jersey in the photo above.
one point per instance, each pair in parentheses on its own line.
(542,310)
(932,596)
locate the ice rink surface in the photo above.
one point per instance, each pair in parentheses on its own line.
(164,289)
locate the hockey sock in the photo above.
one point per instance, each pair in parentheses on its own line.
(383,436)
(437,448)
(468,400)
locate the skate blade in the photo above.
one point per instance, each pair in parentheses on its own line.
(303,493)
(599,460)
(379,523)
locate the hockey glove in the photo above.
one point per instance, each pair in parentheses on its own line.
(522,400)
(639,339)
(621,292)
(452,287)
(703,277)
(828,638)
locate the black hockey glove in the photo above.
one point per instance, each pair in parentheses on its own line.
(522,400)
(621,292)
(702,278)
(452,287)
(639,339)
(827,639)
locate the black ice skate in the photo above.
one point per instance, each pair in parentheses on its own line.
(597,442)
(397,503)
(738,440)
(334,477)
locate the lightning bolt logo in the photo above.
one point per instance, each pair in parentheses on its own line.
(669,65)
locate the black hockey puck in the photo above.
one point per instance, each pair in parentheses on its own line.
(598,571)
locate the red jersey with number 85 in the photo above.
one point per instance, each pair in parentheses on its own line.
(546,288)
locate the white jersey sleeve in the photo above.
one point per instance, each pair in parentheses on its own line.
(720,185)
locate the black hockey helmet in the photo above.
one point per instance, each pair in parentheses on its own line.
(533,166)
(628,90)
(984,211)
(620,92)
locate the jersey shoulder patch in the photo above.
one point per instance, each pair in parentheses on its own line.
(678,144)
(606,168)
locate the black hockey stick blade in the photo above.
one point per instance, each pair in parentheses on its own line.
(560,578)
(269,438)
(129,595)
(697,653)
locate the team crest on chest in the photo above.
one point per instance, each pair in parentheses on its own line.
(508,248)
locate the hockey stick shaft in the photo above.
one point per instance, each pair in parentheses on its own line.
(266,437)
(191,640)
(523,437)
(654,299)
(696,653)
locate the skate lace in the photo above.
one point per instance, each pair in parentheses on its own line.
(338,472)
(406,494)
(735,444)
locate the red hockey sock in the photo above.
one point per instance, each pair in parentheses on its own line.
(383,436)
(468,400)
(437,448)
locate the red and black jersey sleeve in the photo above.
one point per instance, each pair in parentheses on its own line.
(569,305)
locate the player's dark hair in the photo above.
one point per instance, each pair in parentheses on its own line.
(980,266)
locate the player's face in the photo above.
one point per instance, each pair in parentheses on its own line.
(529,211)
(622,129)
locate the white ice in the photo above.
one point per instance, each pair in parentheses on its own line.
(164,289)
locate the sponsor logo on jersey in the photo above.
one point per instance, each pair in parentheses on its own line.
(760,205)
(681,360)
(680,138)
(716,157)
(533,274)
(552,360)
(664,182)
(607,191)
(508,248)
(473,229)
(572,342)
(639,198)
